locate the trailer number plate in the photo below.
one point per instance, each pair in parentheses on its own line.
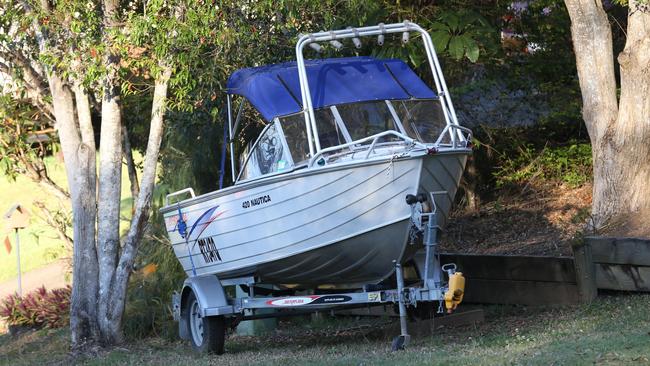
(374,297)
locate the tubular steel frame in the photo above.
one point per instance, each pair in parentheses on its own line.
(381,29)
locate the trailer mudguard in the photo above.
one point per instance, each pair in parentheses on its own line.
(210,295)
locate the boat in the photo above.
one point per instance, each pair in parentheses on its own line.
(324,153)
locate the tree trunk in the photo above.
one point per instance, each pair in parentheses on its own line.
(619,134)
(101,267)
(80,169)
(624,165)
(110,174)
(79,159)
(143,202)
(108,207)
(84,323)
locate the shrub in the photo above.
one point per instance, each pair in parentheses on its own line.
(38,309)
(158,274)
(148,308)
(570,164)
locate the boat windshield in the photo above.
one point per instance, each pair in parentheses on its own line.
(269,154)
(367,119)
(422,120)
(284,144)
(295,134)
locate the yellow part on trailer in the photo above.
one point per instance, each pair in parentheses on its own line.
(454,296)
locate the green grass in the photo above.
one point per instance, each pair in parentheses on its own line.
(612,330)
(39,244)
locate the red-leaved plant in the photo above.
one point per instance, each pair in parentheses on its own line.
(38,309)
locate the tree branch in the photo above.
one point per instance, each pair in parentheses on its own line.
(40,176)
(130,165)
(110,172)
(51,220)
(83,113)
(36,87)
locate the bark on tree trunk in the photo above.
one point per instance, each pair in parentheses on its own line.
(108,206)
(619,133)
(110,174)
(143,202)
(80,169)
(625,168)
(83,305)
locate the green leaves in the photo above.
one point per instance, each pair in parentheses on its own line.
(456,48)
(20,124)
(440,39)
(460,34)
(472,50)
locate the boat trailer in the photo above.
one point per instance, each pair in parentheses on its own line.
(212,300)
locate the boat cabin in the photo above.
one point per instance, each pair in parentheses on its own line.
(360,107)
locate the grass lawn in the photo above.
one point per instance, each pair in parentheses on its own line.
(614,329)
(39,244)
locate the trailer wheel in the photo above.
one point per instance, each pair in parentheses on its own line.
(207,334)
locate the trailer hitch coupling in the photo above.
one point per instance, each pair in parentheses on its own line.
(456,290)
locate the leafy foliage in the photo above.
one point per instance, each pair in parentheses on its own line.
(458,34)
(148,310)
(569,164)
(24,137)
(38,309)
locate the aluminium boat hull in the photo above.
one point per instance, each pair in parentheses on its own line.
(333,225)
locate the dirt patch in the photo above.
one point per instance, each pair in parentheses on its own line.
(542,221)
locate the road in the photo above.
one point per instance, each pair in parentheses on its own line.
(51,276)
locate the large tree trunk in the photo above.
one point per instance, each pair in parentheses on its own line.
(626,144)
(80,168)
(110,182)
(618,133)
(142,203)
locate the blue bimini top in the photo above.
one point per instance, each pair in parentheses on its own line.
(274,90)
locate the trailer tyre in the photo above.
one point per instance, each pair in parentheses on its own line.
(207,334)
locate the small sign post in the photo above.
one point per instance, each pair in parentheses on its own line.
(17,218)
(20,282)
